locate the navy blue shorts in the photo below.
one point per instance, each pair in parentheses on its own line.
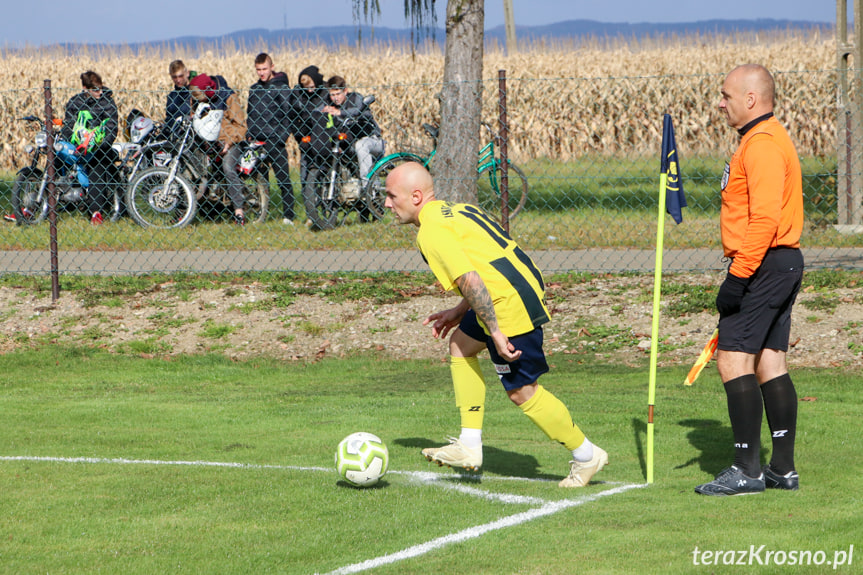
(764,319)
(523,371)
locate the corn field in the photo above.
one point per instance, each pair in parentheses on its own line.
(564,101)
(584,124)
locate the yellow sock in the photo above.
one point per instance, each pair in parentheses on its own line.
(469,390)
(553,418)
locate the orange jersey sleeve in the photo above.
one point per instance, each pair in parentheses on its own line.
(762,200)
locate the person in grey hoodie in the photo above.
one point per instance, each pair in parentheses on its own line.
(268,115)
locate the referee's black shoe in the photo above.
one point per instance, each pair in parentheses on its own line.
(772,480)
(732,481)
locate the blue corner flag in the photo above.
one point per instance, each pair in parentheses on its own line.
(674,198)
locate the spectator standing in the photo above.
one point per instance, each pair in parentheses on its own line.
(177,103)
(308,99)
(269,113)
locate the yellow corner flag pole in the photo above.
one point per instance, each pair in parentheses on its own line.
(654,331)
(669,180)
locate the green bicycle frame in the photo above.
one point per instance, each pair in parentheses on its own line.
(485,161)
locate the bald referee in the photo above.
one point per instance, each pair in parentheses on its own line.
(761,220)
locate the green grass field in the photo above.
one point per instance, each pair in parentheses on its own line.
(118,464)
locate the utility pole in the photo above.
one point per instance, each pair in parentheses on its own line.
(509,21)
(849,165)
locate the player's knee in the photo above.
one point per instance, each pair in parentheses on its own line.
(522,394)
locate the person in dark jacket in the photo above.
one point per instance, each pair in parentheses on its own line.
(268,116)
(90,123)
(177,102)
(349,110)
(308,98)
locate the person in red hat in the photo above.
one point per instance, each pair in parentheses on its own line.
(216,92)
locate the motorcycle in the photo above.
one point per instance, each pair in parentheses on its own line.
(333,190)
(71,182)
(169,196)
(149,145)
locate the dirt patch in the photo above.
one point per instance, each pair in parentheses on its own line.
(607,317)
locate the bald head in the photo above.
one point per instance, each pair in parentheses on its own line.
(409,187)
(756,79)
(747,93)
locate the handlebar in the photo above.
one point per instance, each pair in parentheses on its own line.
(57,123)
(494,135)
(434,131)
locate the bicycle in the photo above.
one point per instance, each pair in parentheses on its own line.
(488,190)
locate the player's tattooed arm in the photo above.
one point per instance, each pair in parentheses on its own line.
(475,293)
(473,290)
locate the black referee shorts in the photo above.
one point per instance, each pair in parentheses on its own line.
(764,319)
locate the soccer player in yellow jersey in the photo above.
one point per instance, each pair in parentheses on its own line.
(502,309)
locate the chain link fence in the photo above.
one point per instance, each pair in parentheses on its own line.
(583,174)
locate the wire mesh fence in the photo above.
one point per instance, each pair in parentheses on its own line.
(582,153)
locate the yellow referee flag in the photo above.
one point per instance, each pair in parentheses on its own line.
(702,360)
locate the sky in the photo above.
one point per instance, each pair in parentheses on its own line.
(127,21)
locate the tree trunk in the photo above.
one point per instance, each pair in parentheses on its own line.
(461,102)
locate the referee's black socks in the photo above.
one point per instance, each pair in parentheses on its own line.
(745,410)
(780,404)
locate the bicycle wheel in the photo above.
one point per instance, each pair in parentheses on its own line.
(374,194)
(152,203)
(489,192)
(321,212)
(256,192)
(26,206)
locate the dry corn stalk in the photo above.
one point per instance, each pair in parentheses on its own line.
(564,101)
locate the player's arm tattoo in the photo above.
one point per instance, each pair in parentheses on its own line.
(474,291)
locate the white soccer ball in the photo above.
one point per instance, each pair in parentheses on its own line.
(362,459)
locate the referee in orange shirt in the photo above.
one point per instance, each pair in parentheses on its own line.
(761,221)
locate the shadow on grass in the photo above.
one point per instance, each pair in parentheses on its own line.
(347,485)
(500,461)
(710,437)
(713,440)
(639,430)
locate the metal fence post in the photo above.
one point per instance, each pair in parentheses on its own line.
(850,119)
(504,152)
(52,197)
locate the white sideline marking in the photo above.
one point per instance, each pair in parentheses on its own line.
(124,461)
(441,481)
(547,508)
(425,476)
